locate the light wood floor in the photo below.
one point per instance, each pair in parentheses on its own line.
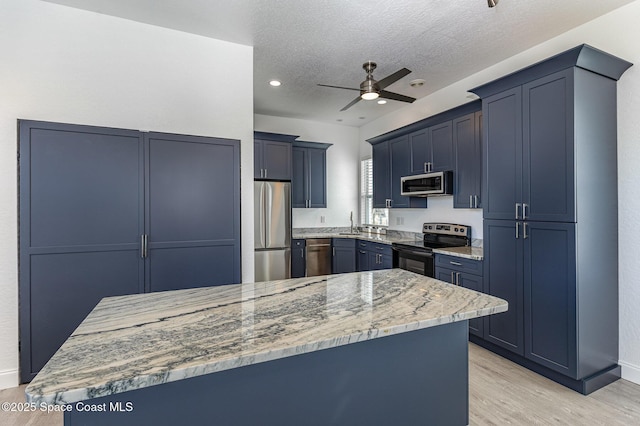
(500,393)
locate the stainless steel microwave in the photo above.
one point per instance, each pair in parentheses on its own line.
(438,183)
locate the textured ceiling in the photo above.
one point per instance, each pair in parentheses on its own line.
(305,42)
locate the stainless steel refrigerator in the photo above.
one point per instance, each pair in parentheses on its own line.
(272,218)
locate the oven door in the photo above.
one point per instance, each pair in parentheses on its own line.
(418,261)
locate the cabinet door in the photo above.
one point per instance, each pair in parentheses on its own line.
(298,261)
(381,174)
(317,177)
(81,218)
(472,282)
(441,141)
(375,262)
(258,161)
(446,275)
(503,277)
(344,260)
(299,186)
(418,146)
(550,295)
(192,213)
(400,159)
(468,161)
(277,160)
(548,150)
(502,114)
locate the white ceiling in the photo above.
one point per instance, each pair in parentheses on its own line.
(305,42)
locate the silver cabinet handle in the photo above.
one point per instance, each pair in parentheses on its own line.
(524,231)
(390,203)
(457,278)
(362,252)
(265,173)
(525,207)
(334,250)
(380,259)
(453,281)
(455,263)
(470,201)
(425,167)
(518,210)
(517,229)
(476,201)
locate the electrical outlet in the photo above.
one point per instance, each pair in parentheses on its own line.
(321,219)
(399,220)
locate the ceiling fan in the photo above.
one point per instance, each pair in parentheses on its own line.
(371,89)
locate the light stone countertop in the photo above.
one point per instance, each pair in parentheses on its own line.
(474,253)
(376,238)
(136,341)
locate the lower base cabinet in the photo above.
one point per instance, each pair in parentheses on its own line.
(343,258)
(373,256)
(298,258)
(466,273)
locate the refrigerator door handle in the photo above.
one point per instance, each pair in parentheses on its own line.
(260,219)
(268,206)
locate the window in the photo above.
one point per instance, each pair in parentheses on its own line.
(369,215)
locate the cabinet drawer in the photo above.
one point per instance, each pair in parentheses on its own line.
(459,264)
(380,248)
(344,242)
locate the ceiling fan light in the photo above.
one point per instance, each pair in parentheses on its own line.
(369,96)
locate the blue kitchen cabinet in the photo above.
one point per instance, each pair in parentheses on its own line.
(272,156)
(440,147)
(549,142)
(362,259)
(466,273)
(391,161)
(419,149)
(550,297)
(467,172)
(503,278)
(380,256)
(309,180)
(381,175)
(502,186)
(107,212)
(298,258)
(343,258)
(400,166)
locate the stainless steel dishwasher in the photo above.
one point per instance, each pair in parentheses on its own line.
(318,256)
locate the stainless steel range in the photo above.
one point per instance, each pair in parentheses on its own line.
(417,256)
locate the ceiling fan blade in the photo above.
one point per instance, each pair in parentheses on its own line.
(390,79)
(338,87)
(352,103)
(396,96)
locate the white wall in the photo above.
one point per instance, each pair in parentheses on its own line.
(65,65)
(342,167)
(617,33)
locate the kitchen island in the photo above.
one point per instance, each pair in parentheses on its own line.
(377,347)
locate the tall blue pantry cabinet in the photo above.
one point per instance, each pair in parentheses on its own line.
(106,212)
(550,216)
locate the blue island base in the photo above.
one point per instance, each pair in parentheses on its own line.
(414,378)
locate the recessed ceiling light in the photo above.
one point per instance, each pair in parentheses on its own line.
(275,83)
(382,102)
(418,82)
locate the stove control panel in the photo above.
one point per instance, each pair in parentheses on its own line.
(447,229)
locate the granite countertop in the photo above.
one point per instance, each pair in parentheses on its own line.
(376,238)
(475,253)
(136,341)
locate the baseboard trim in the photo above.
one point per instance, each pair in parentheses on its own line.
(630,372)
(9,379)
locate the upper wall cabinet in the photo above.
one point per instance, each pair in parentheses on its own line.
(467,171)
(309,180)
(431,149)
(272,156)
(447,141)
